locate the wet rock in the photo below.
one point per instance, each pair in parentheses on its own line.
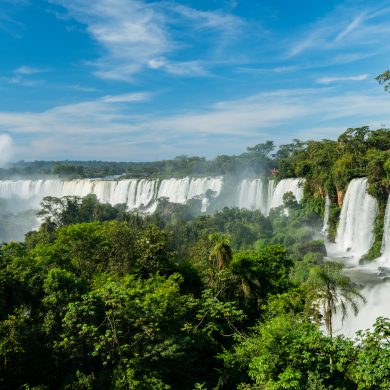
(383,271)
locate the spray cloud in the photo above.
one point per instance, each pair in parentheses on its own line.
(5,149)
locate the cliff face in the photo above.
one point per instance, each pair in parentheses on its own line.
(340,197)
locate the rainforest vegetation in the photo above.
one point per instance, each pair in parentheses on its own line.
(102,298)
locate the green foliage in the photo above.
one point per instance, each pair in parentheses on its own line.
(287,353)
(256,159)
(57,212)
(102,298)
(384,79)
(136,328)
(328,166)
(264,272)
(332,291)
(376,247)
(372,369)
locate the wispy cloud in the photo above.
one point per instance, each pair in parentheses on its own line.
(329,80)
(82,88)
(350,27)
(127,98)
(28,70)
(136,35)
(21,81)
(22,76)
(346,28)
(184,68)
(112,127)
(9,23)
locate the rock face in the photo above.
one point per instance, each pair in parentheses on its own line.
(340,198)
(383,271)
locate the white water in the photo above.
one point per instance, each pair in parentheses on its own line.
(135,193)
(287,185)
(354,239)
(255,194)
(143,194)
(376,293)
(355,233)
(326,214)
(261,194)
(354,236)
(180,190)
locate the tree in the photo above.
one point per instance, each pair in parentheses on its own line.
(384,79)
(332,290)
(264,272)
(134,333)
(287,352)
(221,253)
(372,370)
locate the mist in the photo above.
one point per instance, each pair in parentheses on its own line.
(6,149)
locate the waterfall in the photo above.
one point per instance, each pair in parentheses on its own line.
(135,193)
(255,194)
(287,185)
(23,195)
(377,305)
(326,214)
(180,190)
(355,233)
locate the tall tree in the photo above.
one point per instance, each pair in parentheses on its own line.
(333,291)
(221,252)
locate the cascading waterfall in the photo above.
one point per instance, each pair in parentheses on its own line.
(180,190)
(326,214)
(353,240)
(135,193)
(287,185)
(355,233)
(255,194)
(23,195)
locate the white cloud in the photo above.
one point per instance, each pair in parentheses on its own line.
(329,80)
(364,31)
(22,81)
(20,76)
(350,27)
(28,70)
(127,98)
(136,35)
(81,88)
(186,68)
(112,128)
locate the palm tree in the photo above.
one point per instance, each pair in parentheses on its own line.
(221,253)
(333,291)
(219,259)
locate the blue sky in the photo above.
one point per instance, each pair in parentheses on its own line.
(137,80)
